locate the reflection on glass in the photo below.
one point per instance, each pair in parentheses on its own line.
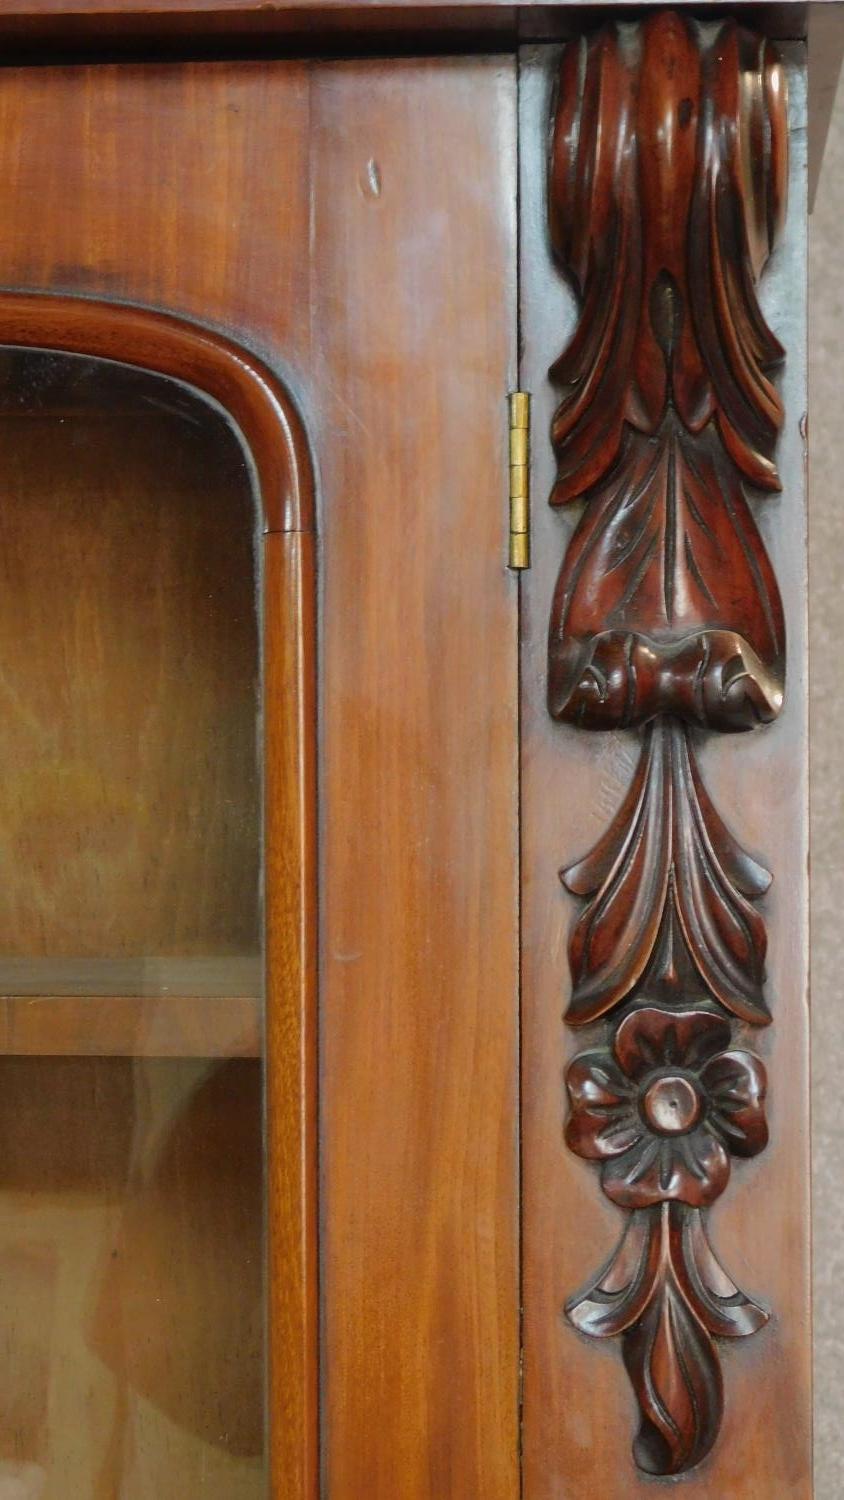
(131,1198)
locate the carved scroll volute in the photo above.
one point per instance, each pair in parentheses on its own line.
(663,174)
(667,195)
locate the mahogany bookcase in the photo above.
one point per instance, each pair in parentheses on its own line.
(404,954)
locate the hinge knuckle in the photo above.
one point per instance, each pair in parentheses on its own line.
(519,408)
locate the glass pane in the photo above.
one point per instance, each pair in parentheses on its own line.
(131,1158)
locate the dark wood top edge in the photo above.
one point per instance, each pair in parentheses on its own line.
(160,342)
(48,32)
(221,26)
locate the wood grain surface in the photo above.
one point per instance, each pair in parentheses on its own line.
(578,1412)
(667,188)
(313,214)
(414,311)
(130,1191)
(124,22)
(58,391)
(171,233)
(250,394)
(131,1026)
(123,834)
(291,1030)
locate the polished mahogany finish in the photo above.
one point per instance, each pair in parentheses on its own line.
(333,23)
(670,895)
(419,810)
(251,218)
(667,195)
(248,390)
(257,400)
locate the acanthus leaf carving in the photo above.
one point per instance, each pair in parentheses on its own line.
(666,600)
(665,548)
(666,1294)
(667,858)
(667,195)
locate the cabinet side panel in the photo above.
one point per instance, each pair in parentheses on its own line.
(579,1411)
(414,316)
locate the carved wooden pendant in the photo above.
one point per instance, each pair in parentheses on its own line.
(667,193)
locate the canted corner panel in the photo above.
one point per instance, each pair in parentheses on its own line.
(666,197)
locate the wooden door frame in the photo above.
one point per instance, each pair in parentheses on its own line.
(269,425)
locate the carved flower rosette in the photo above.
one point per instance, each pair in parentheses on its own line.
(667,193)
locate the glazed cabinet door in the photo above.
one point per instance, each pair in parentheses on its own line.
(258,804)
(345,1152)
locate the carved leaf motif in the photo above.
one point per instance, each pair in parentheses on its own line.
(666,601)
(667,857)
(667,193)
(674,1367)
(665,245)
(666,1293)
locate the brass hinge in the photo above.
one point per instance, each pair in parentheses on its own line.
(519,403)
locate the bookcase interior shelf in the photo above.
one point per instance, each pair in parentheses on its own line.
(144,1008)
(129,726)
